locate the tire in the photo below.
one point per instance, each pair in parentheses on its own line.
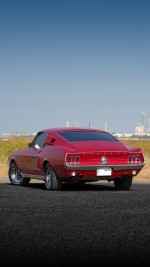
(15,176)
(51,180)
(123,184)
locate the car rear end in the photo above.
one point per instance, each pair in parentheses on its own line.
(103,166)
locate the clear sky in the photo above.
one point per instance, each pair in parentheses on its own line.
(77,60)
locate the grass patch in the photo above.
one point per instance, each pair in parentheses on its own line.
(7,146)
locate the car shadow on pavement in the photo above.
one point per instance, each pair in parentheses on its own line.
(72,187)
(87,187)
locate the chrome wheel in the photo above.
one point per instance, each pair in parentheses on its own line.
(16,176)
(51,180)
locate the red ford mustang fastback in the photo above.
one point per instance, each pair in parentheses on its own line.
(59,155)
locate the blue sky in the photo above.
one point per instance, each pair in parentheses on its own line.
(84,61)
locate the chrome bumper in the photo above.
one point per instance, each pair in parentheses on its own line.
(114,167)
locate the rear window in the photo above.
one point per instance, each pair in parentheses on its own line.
(77,136)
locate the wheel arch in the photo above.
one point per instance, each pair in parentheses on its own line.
(12,161)
(45,162)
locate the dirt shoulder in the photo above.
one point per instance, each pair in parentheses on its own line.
(142,177)
(3,172)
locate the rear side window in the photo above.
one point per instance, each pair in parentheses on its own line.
(39,140)
(77,136)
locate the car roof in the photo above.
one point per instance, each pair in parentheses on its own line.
(68,129)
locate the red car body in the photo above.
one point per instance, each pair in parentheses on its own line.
(60,155)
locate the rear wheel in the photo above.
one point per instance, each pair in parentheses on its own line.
(51,180)
(123,184)
(16,177)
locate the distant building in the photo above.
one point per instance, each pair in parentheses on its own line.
(143,118)
(76,124)
(125,135)
(139,129)
(67,123)
(148,125)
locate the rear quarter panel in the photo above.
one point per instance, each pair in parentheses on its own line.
(55,155)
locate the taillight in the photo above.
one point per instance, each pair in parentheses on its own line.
(135,159)
(72,160)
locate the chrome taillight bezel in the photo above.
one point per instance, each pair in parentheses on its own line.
(135,159)
(72,160)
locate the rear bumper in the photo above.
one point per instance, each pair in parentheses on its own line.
(95,167)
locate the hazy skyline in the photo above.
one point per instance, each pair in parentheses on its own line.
(78,61)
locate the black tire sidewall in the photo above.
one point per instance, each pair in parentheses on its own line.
(55,182)
(124,183)
(23,181)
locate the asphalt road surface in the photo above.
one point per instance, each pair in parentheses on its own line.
(92,225)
